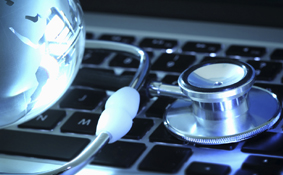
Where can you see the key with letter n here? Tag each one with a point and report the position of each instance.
(47, 120)
(41, 117)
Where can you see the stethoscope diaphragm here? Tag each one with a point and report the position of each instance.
(224, 107)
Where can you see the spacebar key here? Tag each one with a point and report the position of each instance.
(41, 145)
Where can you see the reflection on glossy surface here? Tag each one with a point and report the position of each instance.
(216, 75)
(217, 81)
(232, 126)
(42, 44)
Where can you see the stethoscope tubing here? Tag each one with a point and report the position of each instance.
(87, 155)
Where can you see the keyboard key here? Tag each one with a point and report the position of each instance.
(47, 120)
(165, 159)
(89, 35)
(249, 172)
(83, 99)
(230, 146)
(118, 38)
(201, 47)
(121, 60)
(150, 54)
(266, 143)
(81, 123)
(277, 54)
(139, 129)
(151, 76)
(98, 78)
(161, 134)
(158, 43)
(266, 70)
(262, 164)
(173, 62)
(207, 169)
(101, 79)
(170, 79)
(207, 58)
(41, 145)
(119, 154)
(157, 109)
(94, 56)
(246, 51)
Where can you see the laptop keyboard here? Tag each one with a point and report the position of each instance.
(61, 132)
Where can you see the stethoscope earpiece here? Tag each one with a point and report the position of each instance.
(120, 109)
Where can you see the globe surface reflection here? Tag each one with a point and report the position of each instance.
(41, 49)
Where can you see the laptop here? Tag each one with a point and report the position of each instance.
(190, 30)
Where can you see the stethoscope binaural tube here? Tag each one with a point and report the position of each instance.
(108, 134)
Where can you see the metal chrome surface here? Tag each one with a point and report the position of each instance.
(157, 88)
(217, 81)
(185, 121)
(216, 75)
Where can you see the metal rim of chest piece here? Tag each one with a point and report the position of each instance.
(223, 106)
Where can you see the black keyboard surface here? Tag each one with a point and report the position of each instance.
(63, 131)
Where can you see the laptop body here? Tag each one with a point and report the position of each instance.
(251, 24)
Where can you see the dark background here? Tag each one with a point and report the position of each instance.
(250, 12)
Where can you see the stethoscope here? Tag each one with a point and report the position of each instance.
(216, 104)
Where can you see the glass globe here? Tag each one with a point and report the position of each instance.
(42, 44)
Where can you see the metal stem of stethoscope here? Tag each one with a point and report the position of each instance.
(216, 104)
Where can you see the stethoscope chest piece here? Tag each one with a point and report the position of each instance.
(224, 107)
